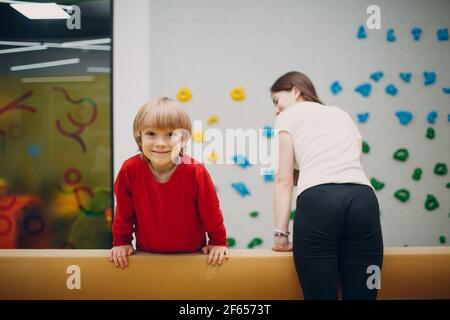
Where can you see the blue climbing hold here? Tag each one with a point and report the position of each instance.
(364, 89)
(442, 34)
(448, 117)
(404, 117)
(390, 36)
(391, 89)
(241, 160)
(377, 75)
(336, 87)
(241, 188)
(431, 117)
(416, 32)
(268, 132)
(34, 150)
(446, 90)
(268, 175)
(429, 77)
(361, 32)
(406, 76)
(362, 117)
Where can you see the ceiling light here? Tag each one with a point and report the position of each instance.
(57, 79)
(92, 47)
(40, 10)
(19, 43)
(22, 49)
(99, 69)
(86, 42)
(45, 64)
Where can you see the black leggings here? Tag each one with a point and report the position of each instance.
(337, 236)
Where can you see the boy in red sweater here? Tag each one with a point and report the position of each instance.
(166, 198)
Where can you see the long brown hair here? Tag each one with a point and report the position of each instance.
(298, 80)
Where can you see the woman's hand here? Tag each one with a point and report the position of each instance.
(281, 243)
(119, 255)
(216, 254)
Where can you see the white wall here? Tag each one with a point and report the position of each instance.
(131, 72)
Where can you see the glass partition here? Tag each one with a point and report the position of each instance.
(55, 126)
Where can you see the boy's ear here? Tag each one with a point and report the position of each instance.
(185, 139)
(139, 142)
(185, 136)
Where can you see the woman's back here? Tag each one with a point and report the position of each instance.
(327, 144)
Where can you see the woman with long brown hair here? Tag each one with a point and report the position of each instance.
(337, 236)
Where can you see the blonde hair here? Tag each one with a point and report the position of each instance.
(161, 114)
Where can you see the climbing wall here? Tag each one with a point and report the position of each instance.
(219, 58)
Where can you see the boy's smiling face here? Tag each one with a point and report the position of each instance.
(161, 147)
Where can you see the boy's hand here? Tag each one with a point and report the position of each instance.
(119, 255)
(216, 254)
(281, 243)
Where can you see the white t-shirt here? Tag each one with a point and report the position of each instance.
(326, 144)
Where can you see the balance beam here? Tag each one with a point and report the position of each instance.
(408, 273)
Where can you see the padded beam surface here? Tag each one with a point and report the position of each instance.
(413, 272)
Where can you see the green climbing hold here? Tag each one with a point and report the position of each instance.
(292, 215)
(447, 185)
(402, 195)
(231, 242)
(440, 169)
(365, 147)
(254, 214)
(377, 185)
(255, 242)
(417, 174)
(442, 239)
(430, 133)
(431, 202)
(401, 154)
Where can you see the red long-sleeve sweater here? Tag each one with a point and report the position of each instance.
(173, 216)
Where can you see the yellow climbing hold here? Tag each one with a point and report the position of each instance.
(198, 136)
(238, 93)
(213, 156)
(213, 119)
(184, 94)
